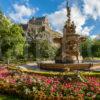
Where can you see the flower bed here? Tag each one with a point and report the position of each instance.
(37, 86)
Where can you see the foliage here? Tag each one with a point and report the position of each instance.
(96, 48)
(86, 48)
(42, 49)
(40, 45)
(90, 48)
(11, 39)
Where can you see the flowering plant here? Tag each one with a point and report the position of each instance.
(21, 83)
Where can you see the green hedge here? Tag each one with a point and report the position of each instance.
(96, 74)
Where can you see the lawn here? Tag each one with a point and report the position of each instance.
(5, 97)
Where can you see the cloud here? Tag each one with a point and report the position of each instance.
(93, 36)
(92, 8)
(62, 5)
(58, 18)
(87, 30)
(78, 18)
(97, 37)
(26, 2)
(21, 13)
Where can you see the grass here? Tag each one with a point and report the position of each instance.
(6, 97)
(94, 58)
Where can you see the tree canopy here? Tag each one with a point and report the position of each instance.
(11, 38)
(90, 48)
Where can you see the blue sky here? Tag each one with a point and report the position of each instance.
(85, 13)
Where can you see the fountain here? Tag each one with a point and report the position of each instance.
(68, 56)
(69, 50)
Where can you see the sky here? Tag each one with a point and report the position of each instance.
(84, 13)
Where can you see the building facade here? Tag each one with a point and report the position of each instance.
(39, 28)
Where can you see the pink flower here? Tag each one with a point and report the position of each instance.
(53, 89)
(48, 81)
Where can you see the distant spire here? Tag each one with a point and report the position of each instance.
(67, 4)
(68, 10)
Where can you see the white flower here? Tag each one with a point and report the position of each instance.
(27, 91)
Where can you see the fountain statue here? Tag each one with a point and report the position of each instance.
(69, 43)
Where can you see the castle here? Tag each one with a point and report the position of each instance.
(39, 28)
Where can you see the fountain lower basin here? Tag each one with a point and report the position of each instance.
(66, 67)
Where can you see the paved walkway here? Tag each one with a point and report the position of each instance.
(95, 68)
(30, 66)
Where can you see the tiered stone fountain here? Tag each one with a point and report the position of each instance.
(68, 56)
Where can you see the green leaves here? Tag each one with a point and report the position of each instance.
(42, 49)
(11, 39)
(90, 48)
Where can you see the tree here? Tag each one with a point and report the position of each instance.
(96, 48)
(42, 49)
(11, 38)
(40, 46)
(86, 46)
(90, 48)
(47, 50)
